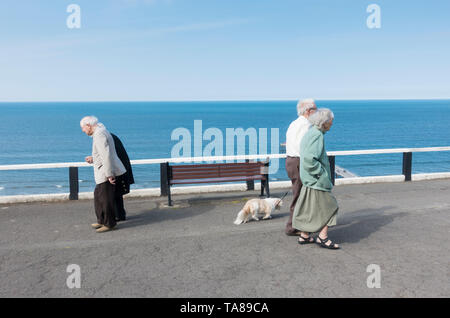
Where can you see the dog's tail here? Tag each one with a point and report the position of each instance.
(240, 218)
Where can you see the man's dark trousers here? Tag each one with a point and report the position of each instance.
(105, 204)
(293, 172)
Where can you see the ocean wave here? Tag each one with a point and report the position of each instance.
(2, 188)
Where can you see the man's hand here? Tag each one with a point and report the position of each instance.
(89, 159)
(112, 180)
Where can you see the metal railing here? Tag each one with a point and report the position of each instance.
(73, 166)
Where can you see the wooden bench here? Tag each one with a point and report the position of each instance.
(214, 173)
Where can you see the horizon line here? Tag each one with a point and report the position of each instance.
(218, 100)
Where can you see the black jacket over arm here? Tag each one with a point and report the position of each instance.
(123, 156)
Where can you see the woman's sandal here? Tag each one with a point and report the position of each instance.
(306, 240)
(323, 244)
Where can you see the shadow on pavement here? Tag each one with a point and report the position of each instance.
(162, 215)
(358, 225)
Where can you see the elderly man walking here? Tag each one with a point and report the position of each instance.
(107, 166)
(297, 129)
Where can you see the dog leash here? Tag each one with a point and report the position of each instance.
(282, 198)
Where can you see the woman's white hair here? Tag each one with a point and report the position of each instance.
(89, 120)
(321, 117)
(304, 105)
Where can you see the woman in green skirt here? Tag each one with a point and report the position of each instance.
(316, 208)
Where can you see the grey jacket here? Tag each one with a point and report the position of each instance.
(106, 162)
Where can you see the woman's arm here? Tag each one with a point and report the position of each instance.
(311, 153)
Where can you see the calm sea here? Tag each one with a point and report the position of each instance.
(50, 132)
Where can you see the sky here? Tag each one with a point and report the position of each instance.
(176, 50)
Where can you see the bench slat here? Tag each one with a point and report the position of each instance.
(219, 168)
(222, 165)
(209, 176)
(215, 174)
(256, 171)
(217, 180)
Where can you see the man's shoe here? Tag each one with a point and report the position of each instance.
(96, 225)
(104, 229)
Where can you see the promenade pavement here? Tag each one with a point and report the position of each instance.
(195, 250)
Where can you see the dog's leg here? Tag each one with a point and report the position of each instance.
(254, 214)
(267, 215)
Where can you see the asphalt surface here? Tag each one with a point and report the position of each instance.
(195, 250)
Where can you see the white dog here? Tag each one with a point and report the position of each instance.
(255, 206)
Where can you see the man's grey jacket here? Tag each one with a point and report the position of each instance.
(106, 162)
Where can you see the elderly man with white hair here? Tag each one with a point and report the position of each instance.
(107, 166)
(297, 129)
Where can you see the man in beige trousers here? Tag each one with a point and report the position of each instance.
(297, 129)
(107, 166)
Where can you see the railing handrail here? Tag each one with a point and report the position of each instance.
(385, 151)
(219, 158)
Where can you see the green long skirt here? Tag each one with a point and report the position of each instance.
(314, 209)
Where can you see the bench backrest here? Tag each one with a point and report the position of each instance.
(220, 170)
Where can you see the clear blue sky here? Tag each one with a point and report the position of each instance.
(223, 49)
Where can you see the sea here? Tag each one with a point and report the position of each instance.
(49, 132)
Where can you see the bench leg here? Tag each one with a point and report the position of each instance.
(262, 188)
(169, 197)
(267, 187)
